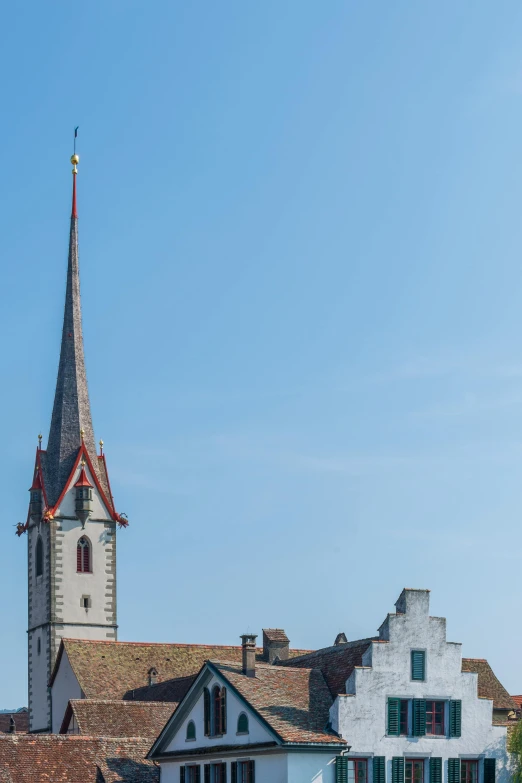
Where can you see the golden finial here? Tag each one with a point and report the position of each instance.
(75, 159)
(82, 433)
(101, 447)
(40, 441)
(83, 463)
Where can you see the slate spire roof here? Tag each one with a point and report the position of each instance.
(71, 410)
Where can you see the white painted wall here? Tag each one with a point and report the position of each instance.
(361, 717)
(65, 687)
(310, 768)
(269, 769)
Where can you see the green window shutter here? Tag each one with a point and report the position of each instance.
(197, 774)
(379, 769)
(418, 665)
(489, 770)
(224, 772)
(341, 769)
(397, 769)
(206, 773)
(455, 718)
(435, 770)
(419, 717)
(206, 711)
(251, 772)
(182, 775)
(394, 714)
(453, 770)
(233, 771)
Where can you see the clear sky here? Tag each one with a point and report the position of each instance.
(301, 243)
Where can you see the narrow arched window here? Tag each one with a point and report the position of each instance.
(83, 556)
(242, 724)
(191, 730)
(219, 710)
(39, 556)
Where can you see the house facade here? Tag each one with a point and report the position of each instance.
(250, 722)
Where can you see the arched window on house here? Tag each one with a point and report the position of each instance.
(39, 556)
(242, 724)
(191, 731)
(219, 710)
(83, 556)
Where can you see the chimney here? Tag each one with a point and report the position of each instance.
(248, 643)
(12, 725)
(276, 644)
(340, 639)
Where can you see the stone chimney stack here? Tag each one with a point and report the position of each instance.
(248, 642)
(12, 725)
(276, 645)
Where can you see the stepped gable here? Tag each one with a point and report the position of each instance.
(336, 663)
(489, 687)
(103, 718)
(295, 703)
(112, 670)
(59, 758)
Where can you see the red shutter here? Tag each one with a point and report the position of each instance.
(78, 558)
(86, 558)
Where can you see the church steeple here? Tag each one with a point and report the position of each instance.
(71, 410)
(71, 522)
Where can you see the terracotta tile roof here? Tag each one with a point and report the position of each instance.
(56, 758)
(112, 670)
(518, 701)
(489, 687)
(21, 720)
(170, 690)
(275, 635)
(98, 718)
(336, 663)
(294, 702)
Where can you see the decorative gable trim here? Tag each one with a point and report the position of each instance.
(85, 454)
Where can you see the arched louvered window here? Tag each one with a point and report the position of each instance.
(39, 556)
(191, 730)
(242, 724)
(83, 556)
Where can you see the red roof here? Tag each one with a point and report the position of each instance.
(37, 481)
(83, 481)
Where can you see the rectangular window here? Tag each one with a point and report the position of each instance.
(418, 665)
(435, 718)
(245, 772)
(190, 774)
(217, 773)
(414, 771)
(357, 771)
(468, 771)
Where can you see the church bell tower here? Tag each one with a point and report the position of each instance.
(71, 523)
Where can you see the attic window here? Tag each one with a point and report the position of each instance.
(242, 724)
(191, 731)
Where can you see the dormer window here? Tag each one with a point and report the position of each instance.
(153, 676)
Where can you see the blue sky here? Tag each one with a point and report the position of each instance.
(301, 252)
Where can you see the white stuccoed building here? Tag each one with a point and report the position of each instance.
(406, 705)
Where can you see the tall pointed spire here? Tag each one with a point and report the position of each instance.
(71, 421)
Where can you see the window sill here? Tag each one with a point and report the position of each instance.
(242, 733)
(191, 740)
